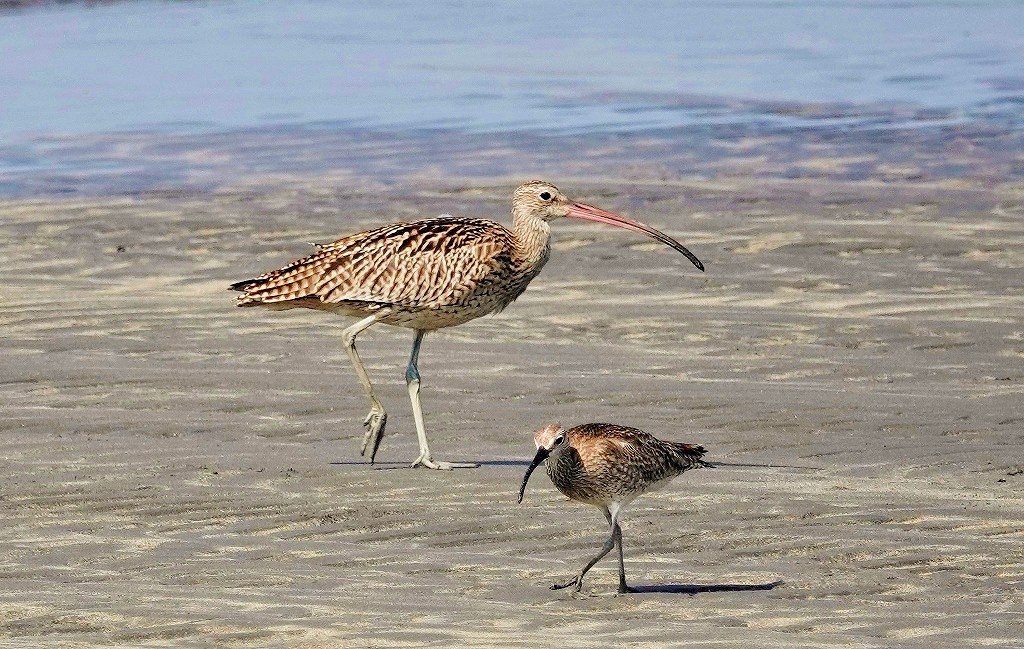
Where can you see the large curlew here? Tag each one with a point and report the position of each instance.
(608, 466)
(426, 275)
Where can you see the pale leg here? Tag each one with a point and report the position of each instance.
(377, 418)
(412, 380)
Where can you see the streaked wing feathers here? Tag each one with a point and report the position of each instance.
(419, 264)
(599, 443)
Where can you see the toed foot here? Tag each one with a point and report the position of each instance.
(374, 422)
(576, 582)
(426, 461)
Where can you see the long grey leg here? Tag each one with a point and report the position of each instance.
(377, 418)
(612, 516)
(412, 381)
(623, 588)
(577, 581)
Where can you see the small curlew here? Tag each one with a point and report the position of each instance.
(608, 466)
(426, 275)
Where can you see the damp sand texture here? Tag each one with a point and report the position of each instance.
(177, 472)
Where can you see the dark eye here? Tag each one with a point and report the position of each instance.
(545, 196)
(558, 440)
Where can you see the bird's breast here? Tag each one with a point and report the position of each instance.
(579, 482)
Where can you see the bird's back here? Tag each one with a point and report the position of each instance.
(608, 462)
(453, 266)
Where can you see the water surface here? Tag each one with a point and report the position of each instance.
(193, 68)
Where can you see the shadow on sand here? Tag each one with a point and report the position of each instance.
(387, 466)
(522, 463)
(694, 589)
(526, 463)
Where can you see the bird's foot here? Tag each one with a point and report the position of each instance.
(374, 422)
(624, 589)
(424, 460)
(576, 582)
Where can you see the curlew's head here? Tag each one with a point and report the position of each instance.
(541, 200)
(551, 440)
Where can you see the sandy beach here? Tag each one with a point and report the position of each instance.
(178, 472)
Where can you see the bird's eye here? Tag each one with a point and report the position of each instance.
(545, 196)
(559, 439)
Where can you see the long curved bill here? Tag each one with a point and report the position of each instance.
(542, 454)
(591, 213)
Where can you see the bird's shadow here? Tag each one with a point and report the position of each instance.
(389, 466)
(696, 589)
(379, 466)
(523, 463)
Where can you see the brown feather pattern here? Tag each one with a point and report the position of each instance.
(428, 274)
(607, 463)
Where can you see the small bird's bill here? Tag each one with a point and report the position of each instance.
(542, 454)
(591, 213)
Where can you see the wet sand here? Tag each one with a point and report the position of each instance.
(178, 472)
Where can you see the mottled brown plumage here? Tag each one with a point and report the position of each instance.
(426, 275)
(608, 466)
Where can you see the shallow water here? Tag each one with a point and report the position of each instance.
(493, 66)
(70, 71)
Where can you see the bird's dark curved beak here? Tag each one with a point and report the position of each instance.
(542, 454)
(591, 213)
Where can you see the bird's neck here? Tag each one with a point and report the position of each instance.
(565, 468)
(532, 242)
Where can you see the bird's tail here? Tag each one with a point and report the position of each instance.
(700, 461)
(284, 288)
(244, 285)
(688, 456)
